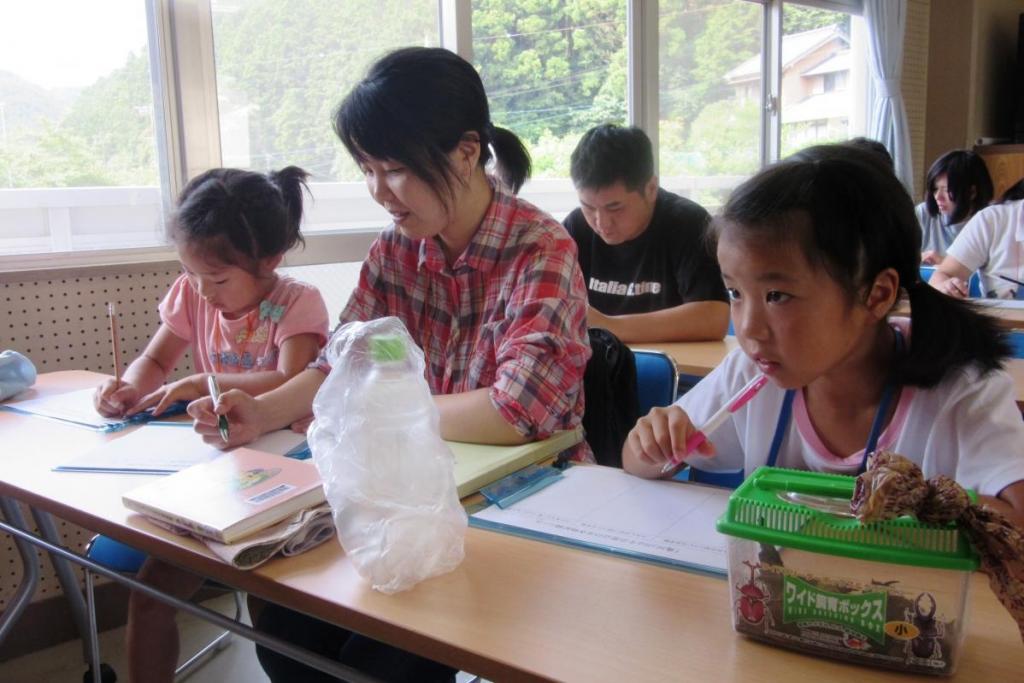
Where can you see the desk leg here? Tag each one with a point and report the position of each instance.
(30, 572)
(319, 662)
(94, 645)
(69, 584)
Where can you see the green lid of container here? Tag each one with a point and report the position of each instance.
(805, 510)
(387, 348)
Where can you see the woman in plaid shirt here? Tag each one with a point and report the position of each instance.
(487, 284)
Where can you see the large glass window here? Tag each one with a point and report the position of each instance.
(90, 151)
(709, 87)
(551, 73)
(78, 157)
(277, 89)
(823, 77)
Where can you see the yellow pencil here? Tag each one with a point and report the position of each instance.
(115, 343)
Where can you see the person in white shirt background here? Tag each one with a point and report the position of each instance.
(992, 243)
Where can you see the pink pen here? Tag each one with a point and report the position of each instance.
(741, 398)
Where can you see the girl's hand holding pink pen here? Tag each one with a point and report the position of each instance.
(242, 411)
(658, 439)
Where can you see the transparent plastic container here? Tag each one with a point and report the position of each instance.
(806, 575)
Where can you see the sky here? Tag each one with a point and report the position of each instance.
(69, 43)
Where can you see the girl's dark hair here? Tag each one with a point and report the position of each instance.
(241, 216)
(964, 170)
(414, 106)
(853, 217)
(1014, 192)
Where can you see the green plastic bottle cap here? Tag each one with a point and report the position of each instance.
(387, 348)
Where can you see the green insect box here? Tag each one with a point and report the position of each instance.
(807, 575)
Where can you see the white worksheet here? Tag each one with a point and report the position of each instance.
(607, 509)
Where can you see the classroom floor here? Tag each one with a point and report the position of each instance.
(63, 663)
(235, 664)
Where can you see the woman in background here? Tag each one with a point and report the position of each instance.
(958, 186)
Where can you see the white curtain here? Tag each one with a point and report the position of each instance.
(886, 22)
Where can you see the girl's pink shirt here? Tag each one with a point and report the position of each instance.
(253, 341)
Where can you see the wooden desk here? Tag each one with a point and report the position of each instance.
(1011, 319)
(515, 609)
(695, 358)
(700, 358)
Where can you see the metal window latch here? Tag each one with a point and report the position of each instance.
(771, 104)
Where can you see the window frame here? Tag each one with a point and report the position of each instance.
(188, 126)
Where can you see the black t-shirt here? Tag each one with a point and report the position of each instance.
(669, 264)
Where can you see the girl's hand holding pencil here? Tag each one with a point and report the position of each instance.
(666, 436)
(114, 397)
(659, 440)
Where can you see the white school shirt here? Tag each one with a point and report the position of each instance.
(967, 427)
(936, 233)
(993, 242)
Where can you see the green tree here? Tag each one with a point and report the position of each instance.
(285, 84)
(113, 120)
(552, 67)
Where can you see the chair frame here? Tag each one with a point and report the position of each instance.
(188, 667)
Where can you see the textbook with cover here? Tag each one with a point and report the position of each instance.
(478, 465)
(232, 496)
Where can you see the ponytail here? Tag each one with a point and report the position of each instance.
(948, 333)
(511, 158)
(291, 180)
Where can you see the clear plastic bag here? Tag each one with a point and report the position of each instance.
(17, 373)
(388, 475)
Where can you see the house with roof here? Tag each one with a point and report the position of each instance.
(816, 101)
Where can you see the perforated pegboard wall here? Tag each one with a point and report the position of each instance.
(59, 320)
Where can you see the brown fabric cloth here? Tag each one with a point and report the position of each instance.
(893, 486)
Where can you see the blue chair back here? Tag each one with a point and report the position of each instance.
(656, 379)
(115, 555)
(1016, 340)
(973, 283)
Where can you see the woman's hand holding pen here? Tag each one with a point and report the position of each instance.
(659, 438)
(242, 411)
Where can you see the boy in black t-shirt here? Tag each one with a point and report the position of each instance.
(650, 275)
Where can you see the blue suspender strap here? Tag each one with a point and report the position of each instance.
(883, 408)
(781, 426)
(876, 425)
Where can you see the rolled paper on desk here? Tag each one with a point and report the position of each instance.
(302, 531)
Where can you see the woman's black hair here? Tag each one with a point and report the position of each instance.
(852, 216)
(965, 171)
(240, 217)
(414, 106)
(1013, 193)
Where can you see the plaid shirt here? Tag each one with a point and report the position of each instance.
(509, 314)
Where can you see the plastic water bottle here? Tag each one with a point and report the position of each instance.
(398, 421)
(17, 373)
(387, 473)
